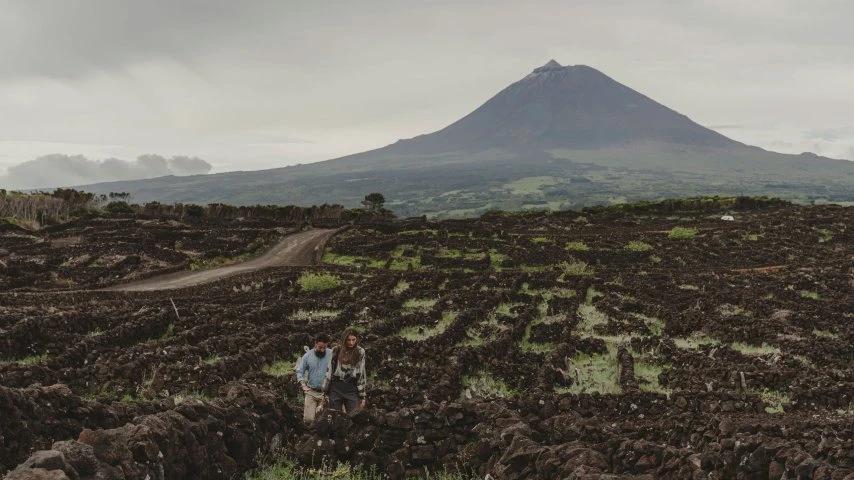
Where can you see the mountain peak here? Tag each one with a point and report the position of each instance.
(551, 65)
(567, 107)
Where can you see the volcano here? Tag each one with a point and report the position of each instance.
(560, 137)
(567, 107)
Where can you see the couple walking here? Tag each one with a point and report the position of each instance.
(340, 375)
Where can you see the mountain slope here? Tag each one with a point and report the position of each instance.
(566, 107)
(560, 137)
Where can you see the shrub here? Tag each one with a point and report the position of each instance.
(575, 269)
(318, 282)
(118, 207)
(193, 210)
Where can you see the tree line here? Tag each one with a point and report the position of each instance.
(34, 209)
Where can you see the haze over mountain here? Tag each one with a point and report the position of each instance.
(561, 137)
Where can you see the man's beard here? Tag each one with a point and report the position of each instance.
(320, 354)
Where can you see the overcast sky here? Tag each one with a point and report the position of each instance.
(268, 83)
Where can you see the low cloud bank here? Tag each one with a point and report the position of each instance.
(58, 170)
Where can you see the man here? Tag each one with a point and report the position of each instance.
(311, 371)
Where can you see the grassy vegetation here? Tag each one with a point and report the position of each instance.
(810, 294)
(485, 385)
(647, 376)
(167, 335)
(211, 360)
(201, 264)
(315, 314)
(28, 360)
(401, 287)
(695, 341)
(746, 349)
(418, 333)
(638, 246)
(495, 259)
(825, 235)
(286, 469)
(824, 333)
(655, 325)
(595, 373)
(183, 397)
(774, 401)
(576, 247)
(419, 303)
(318, 282)
(280, 368)
(352, 261)
(575, 269)
(682, 232)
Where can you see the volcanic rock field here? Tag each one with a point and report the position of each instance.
(638, 341)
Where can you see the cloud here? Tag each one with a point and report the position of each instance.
(831, 134)
(58, 170)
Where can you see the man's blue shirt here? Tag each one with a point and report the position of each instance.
(312, 369)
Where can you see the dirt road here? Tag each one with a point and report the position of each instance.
(297, 249)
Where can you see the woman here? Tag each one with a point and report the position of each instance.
(345, 377)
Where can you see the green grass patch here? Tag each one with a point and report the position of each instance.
(730, 310)
(28, 360)
(747, 349)
(638, 246)
(682, 232)
(495, 259)
(211, 360)
(318, 282)
(505, 309)
(593, 373)
(529, 185)
(419, 303)
(352, 260)
(202, 264)
(647, 376)
(696, 340)
(824, 333)
(575, 269)
(287, 469)
(810, 294)
(541, 240)
(774, 401)
(400, 287)
(426, 231)
(576, 247)
(183, 397)
(591, 317)
(302, 314)
(484, 385)
(167, 335)
(825, 235)
(281, 368)
(418, 333)
(655, 325)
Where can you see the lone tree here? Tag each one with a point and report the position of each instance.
(374, 201)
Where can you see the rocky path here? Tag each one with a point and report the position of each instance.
(302, 248)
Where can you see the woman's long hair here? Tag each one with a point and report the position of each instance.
(350, 356)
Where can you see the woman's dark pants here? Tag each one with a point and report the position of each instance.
(343, 393)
